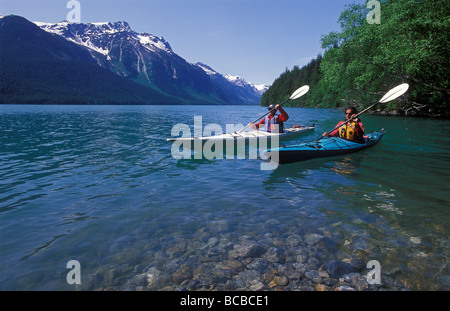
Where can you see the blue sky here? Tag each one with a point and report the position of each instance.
(255, 39)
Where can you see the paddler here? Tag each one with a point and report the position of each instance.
(352, 130)
(272, 120)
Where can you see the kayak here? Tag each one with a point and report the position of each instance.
(248, 136)
(324, 147)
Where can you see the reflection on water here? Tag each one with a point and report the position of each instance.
(347, 166)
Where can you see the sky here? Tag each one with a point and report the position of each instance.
(254, 39)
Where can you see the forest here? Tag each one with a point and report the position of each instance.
(364, 60)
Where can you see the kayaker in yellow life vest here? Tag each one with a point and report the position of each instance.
(352, 130)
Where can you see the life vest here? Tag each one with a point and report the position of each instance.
(347, 131)
(270, 124)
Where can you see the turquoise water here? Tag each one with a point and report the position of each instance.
(98, 184)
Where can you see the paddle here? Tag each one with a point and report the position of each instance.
(391, 95)
(298, 93)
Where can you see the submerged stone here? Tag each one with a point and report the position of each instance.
(337, 269)
(247, 249)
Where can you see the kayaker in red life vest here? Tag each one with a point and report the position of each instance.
(352, 130)
(272, 119)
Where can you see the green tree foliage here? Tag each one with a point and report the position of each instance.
(290, 80)
(362, 61)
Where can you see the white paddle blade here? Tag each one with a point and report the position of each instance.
(300, 92)
(395, 92)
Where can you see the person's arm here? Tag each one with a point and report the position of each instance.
(257, 125)
(359, 129)
(335, 132)
(260, 122)
(361, 126)
(283, 117)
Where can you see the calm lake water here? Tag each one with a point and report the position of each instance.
(98, 184)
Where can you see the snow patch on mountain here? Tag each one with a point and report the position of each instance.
(235, 80)
(151, 42)
(247, 89)
(85, 33)
(262, 88)
(208, 70)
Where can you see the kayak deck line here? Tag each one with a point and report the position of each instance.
(315, 146)
(340, 147)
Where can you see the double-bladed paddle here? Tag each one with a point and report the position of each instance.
(298, 93)
(391, 95)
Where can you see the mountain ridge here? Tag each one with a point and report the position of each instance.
(150, 60)
(37, 67)
(149, 70)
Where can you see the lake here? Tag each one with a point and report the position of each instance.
(99, 185)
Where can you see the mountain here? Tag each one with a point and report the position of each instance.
(246, 92)
(150, 61)
(239, 81)
(37, 67)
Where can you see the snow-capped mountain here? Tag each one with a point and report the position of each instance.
(262, 88)
(245, 90)
(38, 67)
(236, 80)
(93, 35)
(150, 61)
(239, 81)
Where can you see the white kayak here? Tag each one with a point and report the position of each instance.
(247, 136)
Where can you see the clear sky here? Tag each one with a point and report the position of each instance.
(255, 39)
